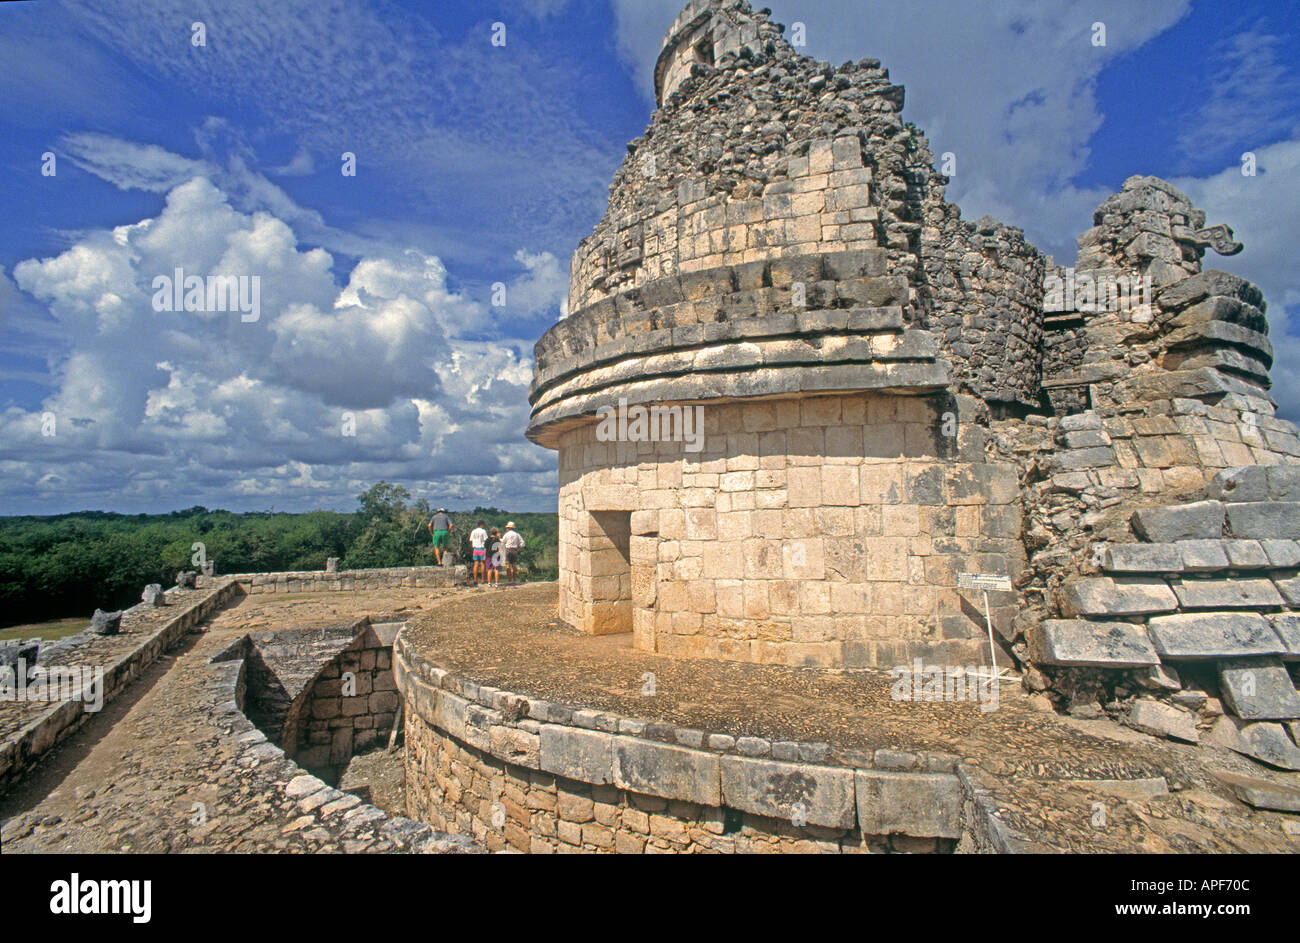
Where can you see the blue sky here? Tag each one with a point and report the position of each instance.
(481, 164)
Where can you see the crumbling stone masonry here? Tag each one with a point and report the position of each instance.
(891, 396)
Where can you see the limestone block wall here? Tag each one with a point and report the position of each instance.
(323, 695)
(272, 773)
(1203, 610)
(340, 716)
(542, 777)
(825, 531)
(1089, 478)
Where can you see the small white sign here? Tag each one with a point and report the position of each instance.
(1000, 584)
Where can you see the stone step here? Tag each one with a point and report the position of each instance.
(1254, 593)
(1200, 556)
(1287, 627)
(1272, 520)
(1142, 558)
(1256, 483)
(1198, 520)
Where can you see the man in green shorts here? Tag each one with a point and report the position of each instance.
(440, 526)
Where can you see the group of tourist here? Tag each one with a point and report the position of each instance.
(491, 550)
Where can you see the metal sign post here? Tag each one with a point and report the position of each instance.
(984, 583)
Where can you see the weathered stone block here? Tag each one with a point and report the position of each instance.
(1290, 590)
(923, 805)
(1274, 520)
(1282, 553)
(586, 755)
(1086, 438)
(449, 713)
(1267, 742)
(658, 769)
(1142, 558)
(1246, 554)
(1261, 793)
(1213, 635)
(1287, 627)
(773, 788)
(1259, 689)
(1103, 596)
(1225, 594)
(1239, 484)
(1163, 720)
(1201, 520)
(1079, 642)
(1203, 556)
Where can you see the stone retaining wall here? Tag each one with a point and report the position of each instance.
(21, 751)
(539, 776)
(330, 813)
(320, 581)
(351, 704)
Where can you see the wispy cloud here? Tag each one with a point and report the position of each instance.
(1250, 102)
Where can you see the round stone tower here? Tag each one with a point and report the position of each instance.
(770, 395)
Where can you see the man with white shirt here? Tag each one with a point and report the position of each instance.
(511, 543)
(478, 550)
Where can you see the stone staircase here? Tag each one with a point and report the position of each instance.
(1209, 582)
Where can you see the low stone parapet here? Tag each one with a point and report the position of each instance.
(322, 581)
(21, 750)
(546, 777)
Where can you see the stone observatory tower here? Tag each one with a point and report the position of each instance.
(762, 260)
(797, 396)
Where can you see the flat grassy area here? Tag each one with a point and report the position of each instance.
(55, 628)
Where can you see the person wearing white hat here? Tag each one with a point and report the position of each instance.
(512, 542)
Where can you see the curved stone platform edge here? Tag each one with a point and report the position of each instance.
(882, 792)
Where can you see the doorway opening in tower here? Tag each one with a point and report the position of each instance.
(611, 572)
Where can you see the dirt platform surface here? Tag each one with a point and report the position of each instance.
(1070, 785)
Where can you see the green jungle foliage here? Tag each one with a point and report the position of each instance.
(71, 564)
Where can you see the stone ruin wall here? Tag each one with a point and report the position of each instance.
(778, 214)
(1156, 576)
(766, 155)
(766, 179)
